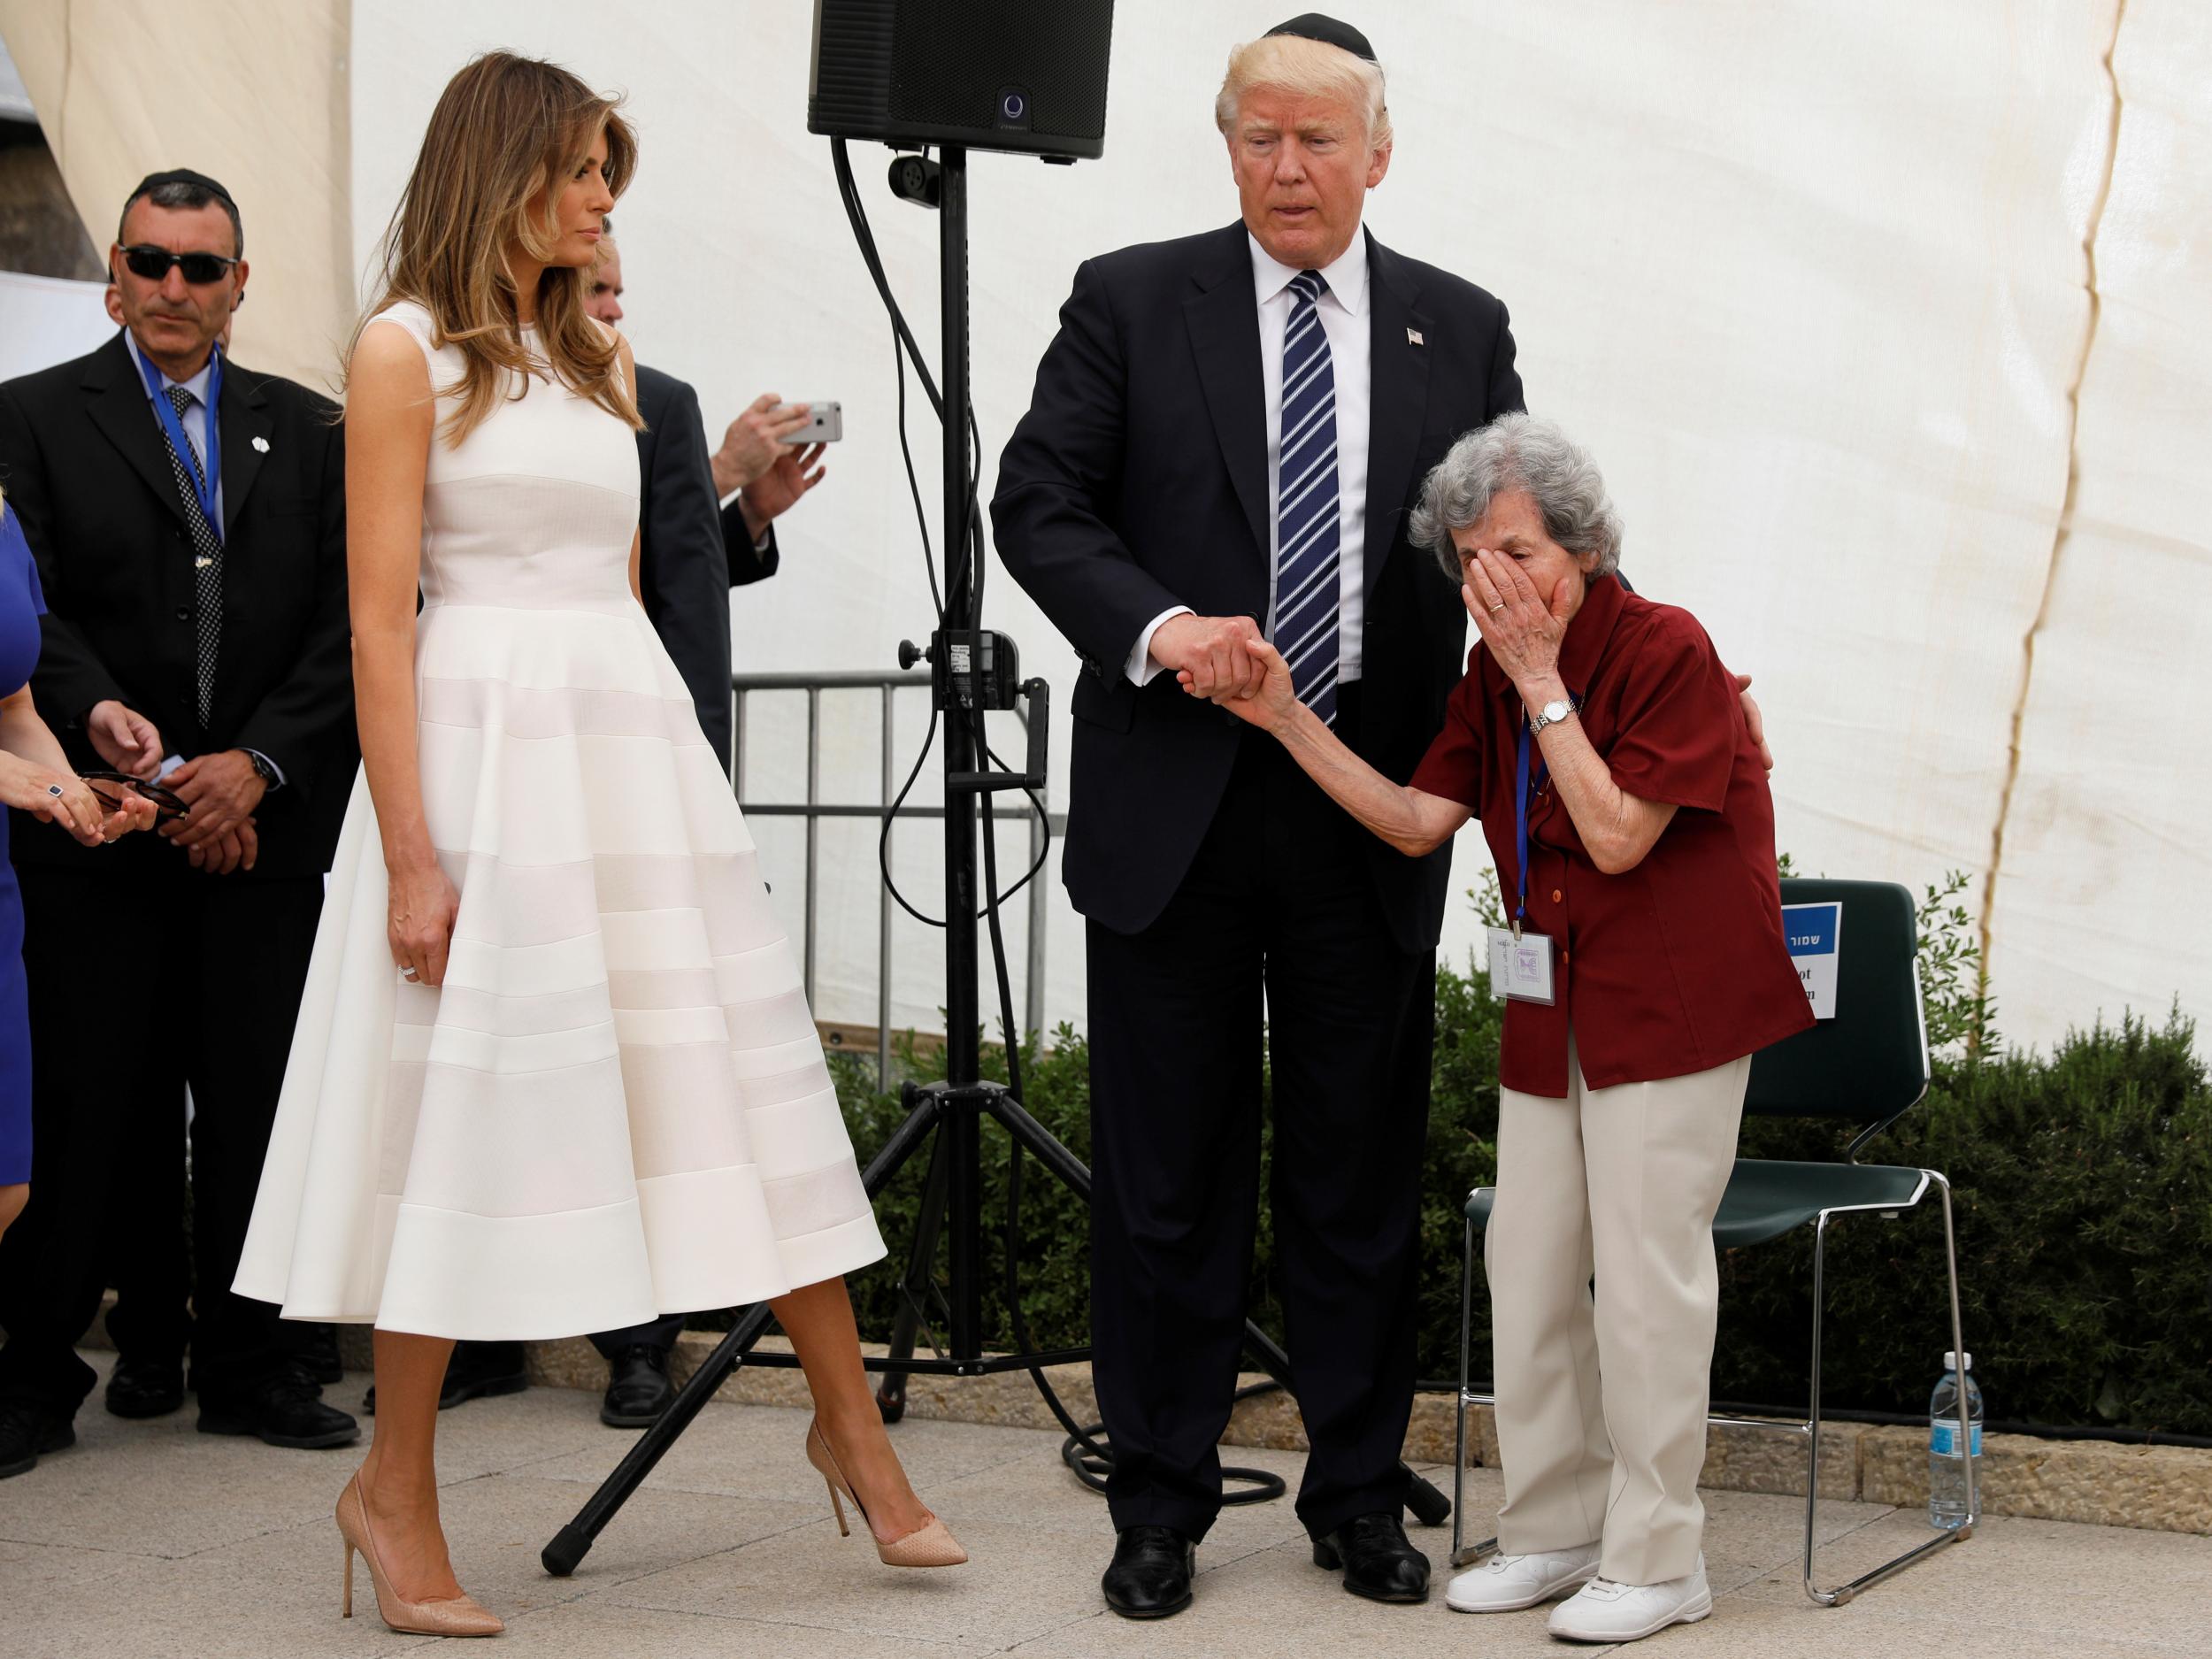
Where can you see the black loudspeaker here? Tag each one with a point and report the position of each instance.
(1022, 75)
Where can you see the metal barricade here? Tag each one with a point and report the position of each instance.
(886, 684)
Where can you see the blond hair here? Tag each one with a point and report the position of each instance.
(507, 135)
(1305, 69)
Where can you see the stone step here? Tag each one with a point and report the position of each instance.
(2099, 1483)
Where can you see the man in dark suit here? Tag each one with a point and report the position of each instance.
(1224, 439)
(189, 518)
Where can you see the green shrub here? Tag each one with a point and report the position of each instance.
(2082, 1180)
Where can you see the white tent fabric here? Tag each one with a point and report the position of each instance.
(1885, 322)
(251, 92)
(44, 320)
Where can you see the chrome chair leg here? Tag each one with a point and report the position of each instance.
(1462, 1555)
(1459, 1400)
(1844, 1592)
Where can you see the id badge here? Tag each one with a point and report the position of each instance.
(1520, 969)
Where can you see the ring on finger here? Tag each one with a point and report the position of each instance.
(1495, 609)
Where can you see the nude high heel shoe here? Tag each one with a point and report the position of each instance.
(930, 1545)
(459, 1616)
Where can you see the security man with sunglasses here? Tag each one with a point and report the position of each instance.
(188, 519)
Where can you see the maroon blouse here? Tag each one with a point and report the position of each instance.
(1677, 965)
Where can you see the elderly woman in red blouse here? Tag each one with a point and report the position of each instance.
(1602, 744)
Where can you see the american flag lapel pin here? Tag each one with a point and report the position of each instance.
(1413, 337)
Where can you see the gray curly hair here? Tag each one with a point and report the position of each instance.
(1518, 452)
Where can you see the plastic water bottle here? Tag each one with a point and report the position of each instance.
(1946, 1459)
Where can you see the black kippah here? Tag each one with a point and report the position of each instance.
(153, 181)
(1314, 26)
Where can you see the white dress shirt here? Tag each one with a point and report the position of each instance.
(1343, 309)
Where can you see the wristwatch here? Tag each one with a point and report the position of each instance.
(263, 768)
(1550, 714)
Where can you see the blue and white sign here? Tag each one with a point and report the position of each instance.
(1815, 935)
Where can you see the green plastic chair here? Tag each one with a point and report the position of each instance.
(1867, 1066)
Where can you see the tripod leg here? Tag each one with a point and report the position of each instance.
(1039, 1142)
(904, 1142)
(921, 1259)
(570, 1544)
(1430, 1506)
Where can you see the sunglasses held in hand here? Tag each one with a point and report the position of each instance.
(169, 806)
(153, 263)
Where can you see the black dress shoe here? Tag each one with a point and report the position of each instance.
(287, 1409)
(1377, 1561)
(638, 1389)
(145, 1388)
(27, 1431)
(476, 1371)
(1151, 1574)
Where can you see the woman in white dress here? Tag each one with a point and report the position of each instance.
(554, 1071)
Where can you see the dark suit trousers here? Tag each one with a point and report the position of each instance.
(141, 986)
(660, 1333)
(1278, 912)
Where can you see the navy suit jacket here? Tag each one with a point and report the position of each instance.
(83, 463)
(691, 551)
(1138, 481)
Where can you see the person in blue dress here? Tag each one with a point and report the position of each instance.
(34, 777)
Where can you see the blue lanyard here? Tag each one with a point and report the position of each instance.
(1520, 820)
(205, 478)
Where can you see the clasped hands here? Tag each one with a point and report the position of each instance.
(55, 796)
(1224, 659)
(223, 789)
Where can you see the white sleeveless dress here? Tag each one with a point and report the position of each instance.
(615, 1106)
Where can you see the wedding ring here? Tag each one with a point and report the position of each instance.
(409, 974)
(1495, 609)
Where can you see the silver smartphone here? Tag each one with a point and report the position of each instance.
(826, 423)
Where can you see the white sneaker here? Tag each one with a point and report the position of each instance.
(1604, 1611)
(1505, 1583)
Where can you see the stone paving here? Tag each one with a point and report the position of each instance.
(148, 1540)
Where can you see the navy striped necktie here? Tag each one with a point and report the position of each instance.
(1306, 523)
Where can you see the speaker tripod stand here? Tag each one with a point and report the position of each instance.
(972, 672)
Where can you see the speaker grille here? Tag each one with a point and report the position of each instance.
(852, 64)
(952, 58)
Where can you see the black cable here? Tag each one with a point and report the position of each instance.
(1044, 823)
(891, 817)
(858, 213)
(913, 485)
(902, 344)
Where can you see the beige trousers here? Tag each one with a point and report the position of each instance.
(1601, 1405)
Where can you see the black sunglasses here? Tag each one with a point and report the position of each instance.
(168, 805)
(153, 263)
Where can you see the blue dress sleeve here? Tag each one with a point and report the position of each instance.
(15, 551)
